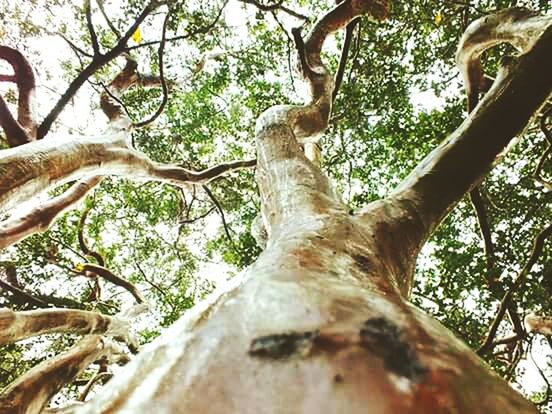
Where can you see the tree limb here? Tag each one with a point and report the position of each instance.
(440, 181)
(24, 129)
(23, 174)
(26, 324)
(23, 296)
(40, 218)
(113, 278)
(31, 392)
(349, 32)
(100, 376)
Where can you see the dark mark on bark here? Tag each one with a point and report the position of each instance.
(338, 378)
(383, 338)
(283, 345)
(364, 263)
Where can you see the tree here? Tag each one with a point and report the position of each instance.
(321, 321)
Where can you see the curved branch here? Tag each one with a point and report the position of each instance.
(517, 26)
(23, 174)
(26, 83)
(24, 129)
(160, 55)
(441, 180)
(40, 218)
(31, 392)
(26, 324)
(283, 129)
(113, 278)
(82, 241)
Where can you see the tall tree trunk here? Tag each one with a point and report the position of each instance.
(315, 326)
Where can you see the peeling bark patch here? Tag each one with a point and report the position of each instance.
(283, 345)
(382, 337)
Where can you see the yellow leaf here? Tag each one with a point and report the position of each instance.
(79, 267)
(438, 18)
(137, 35)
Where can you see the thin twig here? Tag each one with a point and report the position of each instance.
(221, 212)
(349, 31)
(276, 6)
(107, 19)
(518, 283)
(100, 376)
(160, 54)
(202, 30)
(82, 241)
(546, 398)
(90, 27)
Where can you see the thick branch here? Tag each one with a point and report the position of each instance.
(15, 134)
(42, 217)
(37, 166)
(16, 326)
(282, 129)
(517, 26)
(31, 392)
(441, 180)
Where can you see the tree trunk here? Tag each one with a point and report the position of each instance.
(316, 325)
